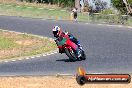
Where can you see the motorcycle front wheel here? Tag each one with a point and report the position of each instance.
(71, 54)
(83, 57)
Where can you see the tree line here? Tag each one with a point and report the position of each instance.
(71, 3)
(62, 3)
(120, 5)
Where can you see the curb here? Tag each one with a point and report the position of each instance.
(33, 56)
(29, 57)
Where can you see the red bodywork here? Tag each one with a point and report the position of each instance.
(68, 44)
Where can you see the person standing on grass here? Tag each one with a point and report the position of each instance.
(74, 14)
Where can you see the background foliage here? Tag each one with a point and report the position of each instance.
(120, 5)
(62, 3)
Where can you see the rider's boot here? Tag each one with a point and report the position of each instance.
(78, 52)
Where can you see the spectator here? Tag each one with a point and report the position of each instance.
(74, 14)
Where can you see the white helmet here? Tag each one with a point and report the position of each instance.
(56, 30)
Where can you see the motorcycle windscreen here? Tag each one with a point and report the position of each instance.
(62, 42)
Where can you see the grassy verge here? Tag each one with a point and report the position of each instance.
(53, 12)
(32, 11)
(129, 22)
(38, 12)
(17, 45)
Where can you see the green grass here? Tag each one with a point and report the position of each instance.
(83, 17)
(10, 48)
(27, 11)
(41, 49)
(6, 43)
(130, 21)
(35, 12)
(56, 14)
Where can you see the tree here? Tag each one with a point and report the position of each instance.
(100, 5)
(128, 6)
(130, 2)
(63, 3)
(77, 4)
(120, 5)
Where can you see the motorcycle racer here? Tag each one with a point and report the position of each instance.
(59, 34)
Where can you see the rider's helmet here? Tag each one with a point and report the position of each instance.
(56, 31)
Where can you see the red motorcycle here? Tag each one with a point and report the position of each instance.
(69, 48)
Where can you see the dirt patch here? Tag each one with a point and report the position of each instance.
(25, 42)
(51, 82)
(9, 53)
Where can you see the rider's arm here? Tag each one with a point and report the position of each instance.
(58, 39)
(74, 39)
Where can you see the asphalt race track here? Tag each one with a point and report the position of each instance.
(108, 48)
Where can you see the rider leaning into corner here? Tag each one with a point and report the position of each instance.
(59, 34)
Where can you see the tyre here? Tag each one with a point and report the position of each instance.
(81, 80)
(70, 54)
(83, 57)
